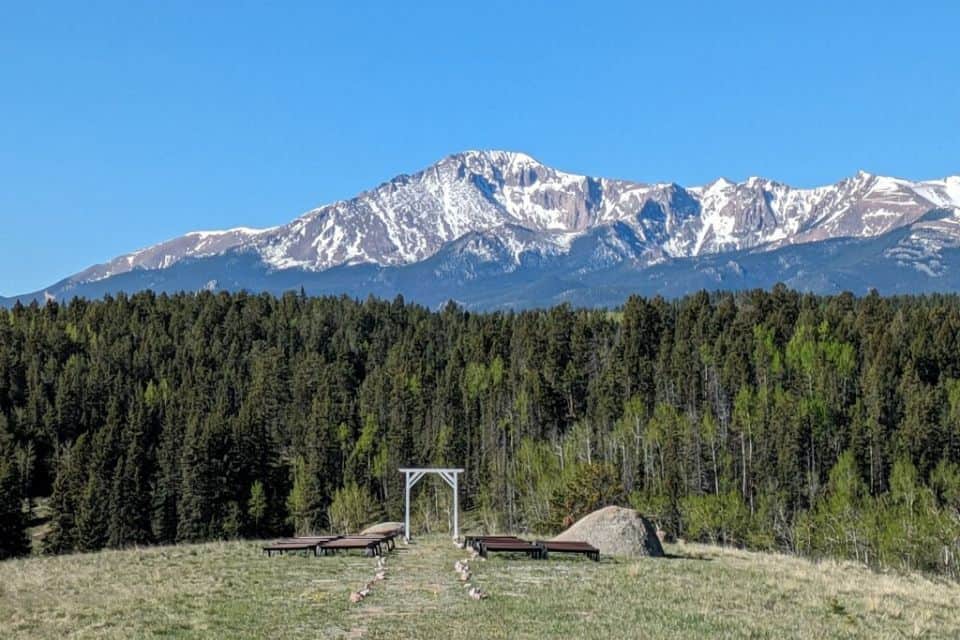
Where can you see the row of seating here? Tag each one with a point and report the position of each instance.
(370, 544)
(374, 544)
(538, 549)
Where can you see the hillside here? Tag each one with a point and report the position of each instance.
(230, 590)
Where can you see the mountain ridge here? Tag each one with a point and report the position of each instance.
(507, 207)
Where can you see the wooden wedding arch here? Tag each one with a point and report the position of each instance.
(412, 476)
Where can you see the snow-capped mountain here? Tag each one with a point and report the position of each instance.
(480, 213)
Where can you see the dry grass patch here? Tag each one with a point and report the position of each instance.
(230, 590)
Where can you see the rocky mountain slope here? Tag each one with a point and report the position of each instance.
(482, 215)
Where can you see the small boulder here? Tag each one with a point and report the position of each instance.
(383, 527)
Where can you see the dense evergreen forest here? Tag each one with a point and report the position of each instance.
(826, 426)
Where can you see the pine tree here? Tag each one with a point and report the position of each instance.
(65, 500)
(196, 507)
(130, 491)
(303, 503)
(257, 505)
(95, 499)
(13, 518)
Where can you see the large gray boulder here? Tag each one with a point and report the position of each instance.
(616, 531)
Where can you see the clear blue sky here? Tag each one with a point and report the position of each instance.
(125, 123)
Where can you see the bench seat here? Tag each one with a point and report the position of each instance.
(511, 546)
(474, 541)
(284, 547)
(583, 548)
(386, 538)
(372, 545)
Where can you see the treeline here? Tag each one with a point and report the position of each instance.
(776, 420)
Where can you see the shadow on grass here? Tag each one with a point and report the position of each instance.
(604, 559)
(687, 556)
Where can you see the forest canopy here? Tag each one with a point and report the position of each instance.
(775, 420)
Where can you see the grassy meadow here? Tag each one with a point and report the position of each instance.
(231, 590)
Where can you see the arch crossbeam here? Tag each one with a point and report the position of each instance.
(413, 475)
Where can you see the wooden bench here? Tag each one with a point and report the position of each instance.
(304, 543)
(511, 546)
(474, 541)
(371, 545)
(385, 538)
(286, 546)
(582, 548)
(307, 539)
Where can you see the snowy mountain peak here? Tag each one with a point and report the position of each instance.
(494, 193)
(501, 157)
(720, 184)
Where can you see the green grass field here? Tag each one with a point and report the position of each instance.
(230, 590)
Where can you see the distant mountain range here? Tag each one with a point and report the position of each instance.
(496, 229)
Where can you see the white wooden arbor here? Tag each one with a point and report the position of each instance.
(412, 476)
